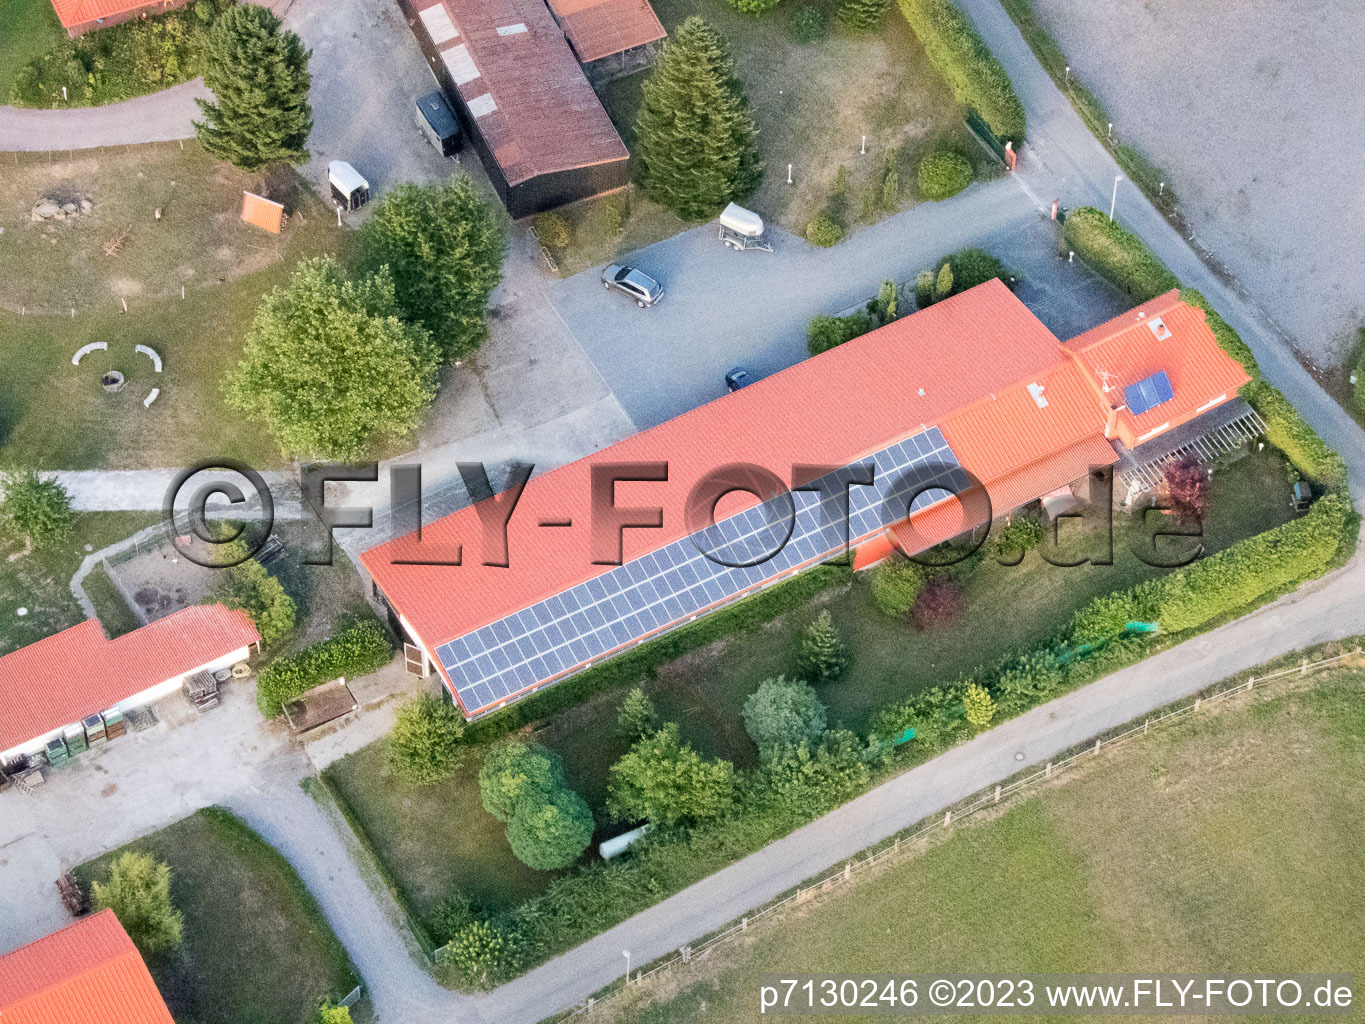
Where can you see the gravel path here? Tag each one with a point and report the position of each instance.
(161, 117)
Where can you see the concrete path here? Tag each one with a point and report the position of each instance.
(160, 117)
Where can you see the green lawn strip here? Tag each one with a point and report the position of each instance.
(256, 947)
(28, 29)
(110, 607)
(1228, 839)
(40, 581)
(1153, 182)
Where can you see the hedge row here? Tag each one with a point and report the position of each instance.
(1117, 254)
(1290, 432)
(973, 74)
(354, 651)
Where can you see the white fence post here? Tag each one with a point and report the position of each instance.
(947, 816)
(848, 870)
(997, 792)
(744, 924)
(1047, 772)
(1303, 669)
(1196, 703)
(1251, 682)
(1145, 726)
(1097, 746)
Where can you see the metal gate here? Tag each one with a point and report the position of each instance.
(982, 131)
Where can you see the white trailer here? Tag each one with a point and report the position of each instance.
(743, 229)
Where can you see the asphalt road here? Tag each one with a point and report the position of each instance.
(160, 117)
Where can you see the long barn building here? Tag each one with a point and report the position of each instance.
(972, 398)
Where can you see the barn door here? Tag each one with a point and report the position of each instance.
(415, 661)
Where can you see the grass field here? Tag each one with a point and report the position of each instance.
(1228, 840)
(256, 948)
(110, 607)
(55, 414)
(28, 29)
(1008, 610)
(39, 581)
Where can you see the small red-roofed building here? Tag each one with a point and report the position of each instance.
(87, 973)
(81, 16)
(57, 682)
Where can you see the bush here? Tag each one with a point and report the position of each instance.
(1117, 254)
(1187, 486)
(808, 24)
(328, 1013)
(979, 707)
(1236, 576)
(482, 955)
(938, 603)
(666, 782)
(823, 656)
(1290, 432)
(974, 76)
(515, 772)
(37, 510)
(550, 834)
(1105, 617)
(1022, 533)
(824, 231)
(972, 267)
(943, 173)
(249, 587)
(554, 230)
(455, 913)
(1027, 679)
(637, 716)
(896, 583)
(783, 713)
(424, 746)
(924, 289)
(943, 283)
(817, 774)
(357, 650)
(891, 191)
(1358, 371)
(139, 894)
(754, 6)
(869, 204)
(862, 14)
(827, 332)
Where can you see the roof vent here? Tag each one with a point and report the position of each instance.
(1158, 328)
(1036, 390)
(512, 30)
(920, 392)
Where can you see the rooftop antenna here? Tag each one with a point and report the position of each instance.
(1105, 377)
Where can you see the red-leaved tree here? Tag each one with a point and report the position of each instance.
(1187, 487)
(938, 603)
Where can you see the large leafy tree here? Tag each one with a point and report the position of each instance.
(139, 894)
(781, 713)
(36, 509)
(259, 78)
(696, 140)
(550, 833)
(330, 368)
(517, 771)
(424, 746)
(667, 782)
(246, 584)
(443, 245)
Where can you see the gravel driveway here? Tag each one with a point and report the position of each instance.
(1254, 112)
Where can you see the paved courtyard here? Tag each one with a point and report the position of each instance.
(723, 308)
(1254, 112)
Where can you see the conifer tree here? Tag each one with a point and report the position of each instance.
(924, 289)
(823, 657)
(697, 143)
(259, 79)
(862, 13)
(943, 285)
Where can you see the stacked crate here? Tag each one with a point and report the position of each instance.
(56, 752)
(95, 735)
(75, 739)
(114, 725)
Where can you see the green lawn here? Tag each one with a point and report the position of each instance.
(437, 838)
(1227, 840)
(257, 949)
(110, 607)
(39, 581)
(28, 29)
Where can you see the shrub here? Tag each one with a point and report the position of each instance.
(972, 267)
(1187, 486)
(840, 186)
(1027, 678)
(809, 26)
(665, 781)
(943, 173)
(938, 603)
(943, 283)
(249, 587)
(35, 509)
(754, 6)
(357, 650)
(827, 332)
(637, 716)
(824, 231)
(862, 14)
(424, 746)
(979, 706)
(974, 76)
(1022, 533)
(896, 583)
(513, 772)
(782, 713)
(891, 191)
(1105, 617)
(550, 834)
(823, 655)
(818, 773)
(327, 1013)
(482, 954)
(1358, 371)
(924, 289)
(139, 894)
(455, 913)
(1117, 254)
(1236, 576)
(886, 303)
(1290, 432)
(869, 203)
(554, 230)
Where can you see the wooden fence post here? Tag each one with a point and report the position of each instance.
(1145, 726)
(1303, 669)
(997, 792)
(1047, 772)
(848, 870)
(1097, 746)
(947, 816)
(1251, 682)
(1196, 704)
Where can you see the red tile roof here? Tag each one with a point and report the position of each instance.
(88, 973)
(73, 13)
(599, 28)
(529, 97)
(1127, 349)
(78, 672)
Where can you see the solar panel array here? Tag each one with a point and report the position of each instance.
(1148, 392)
(678, 580)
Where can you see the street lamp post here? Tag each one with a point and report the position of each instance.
(626, 953)
(1115, 197)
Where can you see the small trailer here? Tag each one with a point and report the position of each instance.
(438, 125)
(742, 229)
(350, 191)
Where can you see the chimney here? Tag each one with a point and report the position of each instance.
(1111, 424)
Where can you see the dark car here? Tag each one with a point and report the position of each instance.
(641, 287)
(738, 378)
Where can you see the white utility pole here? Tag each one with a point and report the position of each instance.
(1115, 197)
(626, 953)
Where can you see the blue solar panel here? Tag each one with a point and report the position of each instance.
(673, 582)
(1148, 393)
